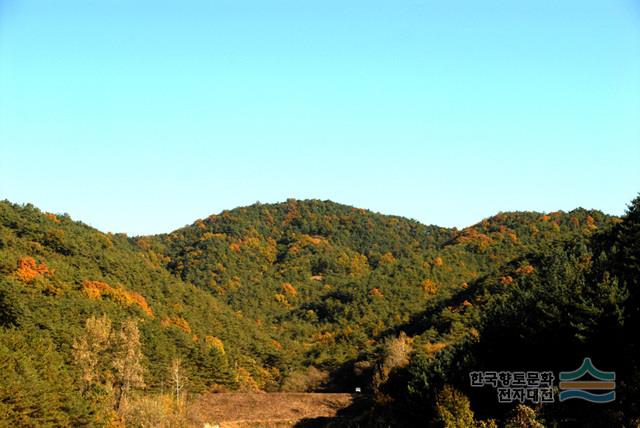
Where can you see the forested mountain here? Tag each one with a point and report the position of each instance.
(310, 295)
(56, 273)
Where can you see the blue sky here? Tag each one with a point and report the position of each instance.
(141, 116)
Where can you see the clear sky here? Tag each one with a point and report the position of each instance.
(141, 116)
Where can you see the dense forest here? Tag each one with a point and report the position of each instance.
(108, 330)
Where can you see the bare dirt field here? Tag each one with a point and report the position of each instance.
(244, 410)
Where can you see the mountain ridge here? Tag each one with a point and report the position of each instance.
(294, 296)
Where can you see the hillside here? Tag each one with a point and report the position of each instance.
(55, 273)
(298, 296)
(545, 310)
(335, 280)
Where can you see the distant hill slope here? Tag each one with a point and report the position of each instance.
(335, 279)
(545, 310)
(302, 295)
(55, 273)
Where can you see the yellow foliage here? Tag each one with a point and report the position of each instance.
(434, 348)
(314, 240)
(281, 298)
(324, 337)
(428, 286)
(271, 250)
(206, 236)
(387, 258)
(378, 328)
(357, 265)
(375, 292)
(214, 342)
(438, 261)
(292, 211)
(246, 382)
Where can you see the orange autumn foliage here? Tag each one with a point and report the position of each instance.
(182, 324)
(53, 217)
(506, 280)
(438, 261)
(473, 237)
(177, 321)
(525, 270)
(139, 300)
(289, 289)
(28, 270)
(95, 290)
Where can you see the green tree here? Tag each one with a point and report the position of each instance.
(523, 417)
